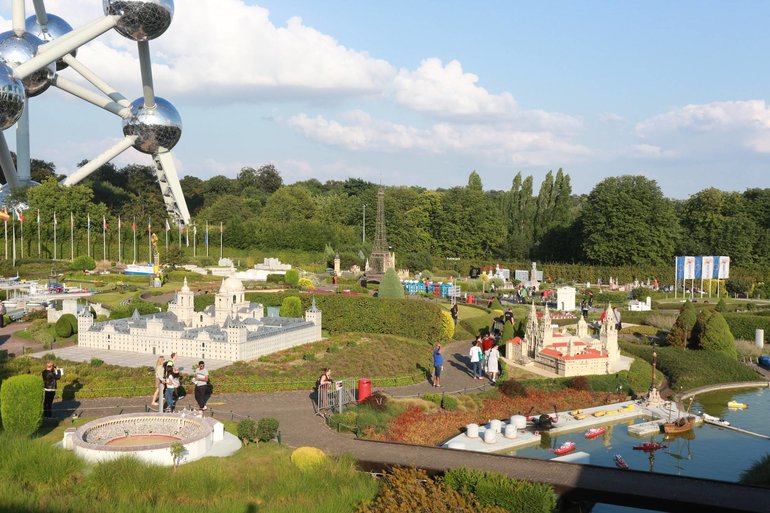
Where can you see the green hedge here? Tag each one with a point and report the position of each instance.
(412, 318)
(21, 404)
(494, 489)
(688, 368)
(742, 325)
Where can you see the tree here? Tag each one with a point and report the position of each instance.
(291, 307)
(713, 334)
(681, 331)
(269, 179)
(390, 286)
(20, 405)
(508, 332)
(292, 277)
(288, 204)
(474, 182)
(627, 221)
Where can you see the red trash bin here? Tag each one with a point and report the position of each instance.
(364, 388)
(471, 299)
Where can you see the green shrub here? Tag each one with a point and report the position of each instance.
(376, 401)
(274, 278)
(291, 307)
(391, 287)
(758, 474)
(96, 362)
(308, 458)
(444, 401)
(309, 357)
(447, 325)
(21, 404)
(292, 277)
(494, 489)
(711, 333)
(743, 326)
(247, 430)
(681, 332)
(63, 328)
(83, 263)
(721, 306)
(267, 429)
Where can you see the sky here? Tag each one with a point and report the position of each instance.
(422, 93)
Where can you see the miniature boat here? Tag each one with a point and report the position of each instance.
(564, 448)
(594, 432)
(628, 407)
(649, 446)
(580, 416)
(715, 420)
(575, 413)
(611, 412)
(620, 462)
(735, 405)
(680, 425)
(601, 413)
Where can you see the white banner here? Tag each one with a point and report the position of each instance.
(707, 267)
(689, 268)
(724, 267)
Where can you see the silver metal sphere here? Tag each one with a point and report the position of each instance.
(16, 50)
(56, 27)
(157, 129)
(11, 97)
(7, 202)
(141, 20)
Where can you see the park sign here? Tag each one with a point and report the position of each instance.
(701, 268)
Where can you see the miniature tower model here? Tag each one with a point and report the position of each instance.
(608, 335)
(653, 398)
(184, 306)
(313, 314)
(381, 258)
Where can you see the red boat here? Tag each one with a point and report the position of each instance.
(594, 432)
(649, 446)
(620, 462)
(564, 448)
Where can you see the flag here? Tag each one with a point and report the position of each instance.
(221, 228)
(118, 224)
(149, 225)
(55, 222)
(206, 237)
(4, 215)
(104, 223)
(19, 215)
(38, 216)
(88, 221)
(195, 230)
(133, 227)
(168, 226)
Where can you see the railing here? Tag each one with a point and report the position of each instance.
(334, 396)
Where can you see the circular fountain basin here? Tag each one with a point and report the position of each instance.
(146, 436)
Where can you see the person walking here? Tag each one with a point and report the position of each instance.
(590, 299)
(2, 314)
(51, 376)
(201, 382)
(438, 365)
(455, 312)
(172, 382)
(493, 363)
(476, 358)
(584, 309)
(159, 380)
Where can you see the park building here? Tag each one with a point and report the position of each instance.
(231, 329)
(565, 354)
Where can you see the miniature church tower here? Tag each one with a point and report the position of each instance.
(582, 328)
(85, 319)
(531, 335)
(653, 398)
(184, 305)
(608, 335)
(313, 314)
(546, 332)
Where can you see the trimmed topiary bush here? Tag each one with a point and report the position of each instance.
(247, 430)
(508, 333)
(63, 327)
(390, 286)
(83, 263)
(494, 489)
(267, 429)
(447, 325)
(308, 458)
(711, 333)
(21, 404)
(681, 333)
(292, 277)
(291, 307)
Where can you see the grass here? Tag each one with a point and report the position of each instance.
(37, 477)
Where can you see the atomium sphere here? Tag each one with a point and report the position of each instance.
(11, 97)
(141, 20)
(7, 200)
(56, 27)
(157, 129)
(15, 50)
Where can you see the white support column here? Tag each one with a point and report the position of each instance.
(97, 82)
(18, 17)
(166, 161)
(42, 16)
(63, 45)
(145, 64)
(100, 160)
(9, 170)
(91, 97)
(22, 146)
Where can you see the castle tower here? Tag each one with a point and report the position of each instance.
(531, 334)
(582, 328)
(230, 299)
(546, 332)
(184, 305)
(85, 319)
(608, 335)
(313, 314)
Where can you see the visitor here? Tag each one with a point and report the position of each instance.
(438, 365)
(584, 309)
(590, 299)
(493, 363)
(51, 375)
(455, 312)
(2, 314)
(172, 382)
(487, 343)
(201, 382)
(159, 377)
(476, 359)
(618, 324)
(508, 316)
(169, 365)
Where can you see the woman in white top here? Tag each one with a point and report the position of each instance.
(476, 357)
(159, 371)
(493, 363)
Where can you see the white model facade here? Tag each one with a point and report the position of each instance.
(231, 329)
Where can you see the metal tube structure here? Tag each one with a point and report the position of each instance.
(9, 170)
(23, 171)
(100, 160)
(97, 82)
(91, 97)
(172, 178)
(63, 45)
(145, 65)
(42, 16)
(18, 17)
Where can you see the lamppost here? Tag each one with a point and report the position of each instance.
(363, 226)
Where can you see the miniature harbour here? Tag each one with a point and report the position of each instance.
(502, 437)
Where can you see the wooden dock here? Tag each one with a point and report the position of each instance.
(739, 430)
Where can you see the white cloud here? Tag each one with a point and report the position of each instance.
(717, 116)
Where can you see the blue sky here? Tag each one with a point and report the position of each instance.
(422, 93)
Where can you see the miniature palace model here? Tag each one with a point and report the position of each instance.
(565, 354)
(231, 329)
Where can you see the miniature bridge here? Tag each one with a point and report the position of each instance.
(576, 482)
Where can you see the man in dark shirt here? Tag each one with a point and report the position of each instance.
(455, 311)
(50, 377)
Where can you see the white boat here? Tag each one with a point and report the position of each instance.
(139, 270)
(715, 420)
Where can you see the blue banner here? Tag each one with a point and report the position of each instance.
(679, 267)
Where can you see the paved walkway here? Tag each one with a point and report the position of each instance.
(16, 345)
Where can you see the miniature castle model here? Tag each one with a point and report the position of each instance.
(565, 354)
(231, 329)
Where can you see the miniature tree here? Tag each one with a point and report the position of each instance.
(681, 332)
(447, 325)
(291, 307)
(21, 406)
(713, 334)
(292, 277)
(390, 286)
(721, 305)
(508, 332)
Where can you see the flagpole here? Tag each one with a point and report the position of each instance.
(72, 236)
(221, 231)
(21, 226)
(180, 235)
(133, 227)
(104, 238)
(207, 238)
(149, 239)
(39, 248)
(5, 222)
(195, 239)
(54, 235)
(168, 227)
(13, 244)
(119, 253)
(88, 236)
